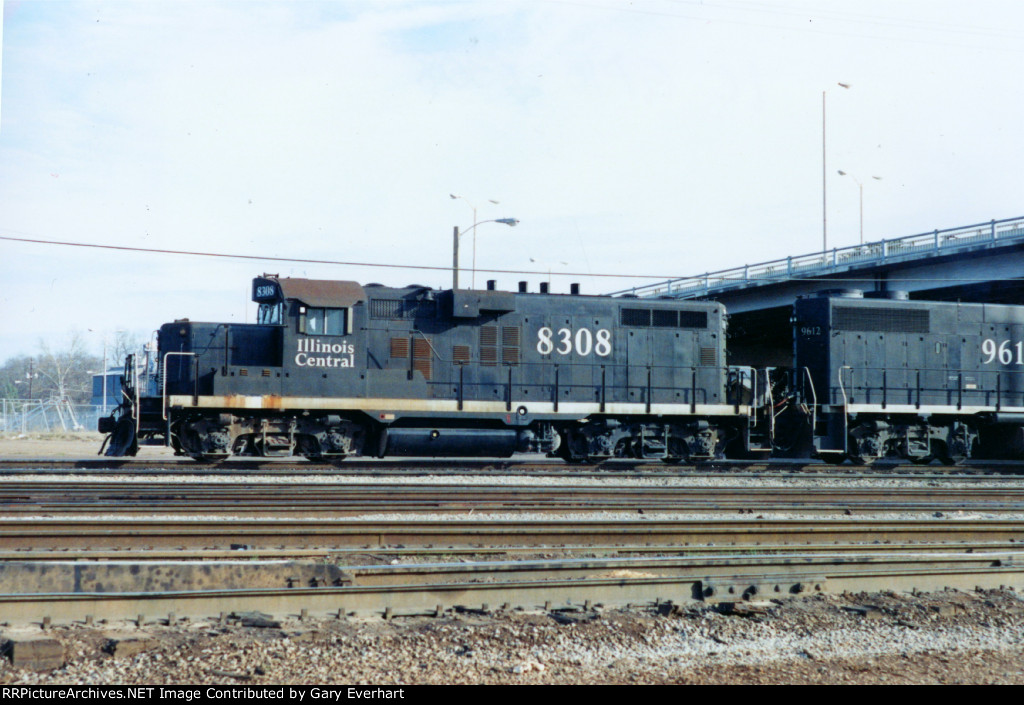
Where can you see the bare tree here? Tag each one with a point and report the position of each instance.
(64, 373)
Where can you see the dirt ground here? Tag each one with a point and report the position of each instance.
(81, 445)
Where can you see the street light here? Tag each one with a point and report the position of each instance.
(489, 200)
(824, 209)
(860, 187)
(104, 334)
(511, 222)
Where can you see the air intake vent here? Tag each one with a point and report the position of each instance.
(400, 308)
(399, 347)
(423, 366)
(510, 345)
(708, 357)
(421, 349)
(489, 345)
(883, 320)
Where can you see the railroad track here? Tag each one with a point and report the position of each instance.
(535, 466)
(550, 585)
(292, 550)
(329, 500)
(224, 533)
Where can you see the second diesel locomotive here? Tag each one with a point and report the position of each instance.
(333, 369)
(915, 380)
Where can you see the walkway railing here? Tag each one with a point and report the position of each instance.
(842, 259)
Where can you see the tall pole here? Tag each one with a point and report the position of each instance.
(824, 209)
(455, 259)
(104, 375)
(473, 283)
(860, 187)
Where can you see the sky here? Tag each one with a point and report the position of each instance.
(645, 139)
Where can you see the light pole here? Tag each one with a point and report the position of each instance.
(511, 222)
(489, 200)
(824, 208)
(860, 187)
(104, 371)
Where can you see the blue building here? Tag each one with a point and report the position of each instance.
(113, 383)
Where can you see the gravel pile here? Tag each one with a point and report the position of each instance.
(948, 637)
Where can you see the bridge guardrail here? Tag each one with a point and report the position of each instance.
(949, 241)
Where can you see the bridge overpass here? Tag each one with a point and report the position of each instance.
(980, 263)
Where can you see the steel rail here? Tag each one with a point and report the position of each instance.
(309, 500)
(224, 533)
(542, 585)
(538, 465)
(420, 553)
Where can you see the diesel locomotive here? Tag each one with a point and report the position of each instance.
(889, 377)
(333, 369)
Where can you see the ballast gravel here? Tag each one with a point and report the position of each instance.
(949, 637)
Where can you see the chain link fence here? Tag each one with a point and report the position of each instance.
(48, 415)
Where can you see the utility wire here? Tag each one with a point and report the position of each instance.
(657, 277)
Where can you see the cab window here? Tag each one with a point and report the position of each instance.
(270, 313)
(325, 321)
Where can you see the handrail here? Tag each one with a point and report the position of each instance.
(814, 400)
(948, 241)
(846, 413)
(163, 386)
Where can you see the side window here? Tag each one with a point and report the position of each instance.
(325, 321)
(315, 321)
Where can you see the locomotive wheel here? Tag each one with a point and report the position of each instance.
(676, 452)
(573, 448)
(860, 460)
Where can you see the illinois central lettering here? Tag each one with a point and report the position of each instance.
(317, 353)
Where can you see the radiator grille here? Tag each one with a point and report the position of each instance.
(693, 319)
(883, 320)
(636, 317)
(663, 318)
(709, 357)
(460, 354)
